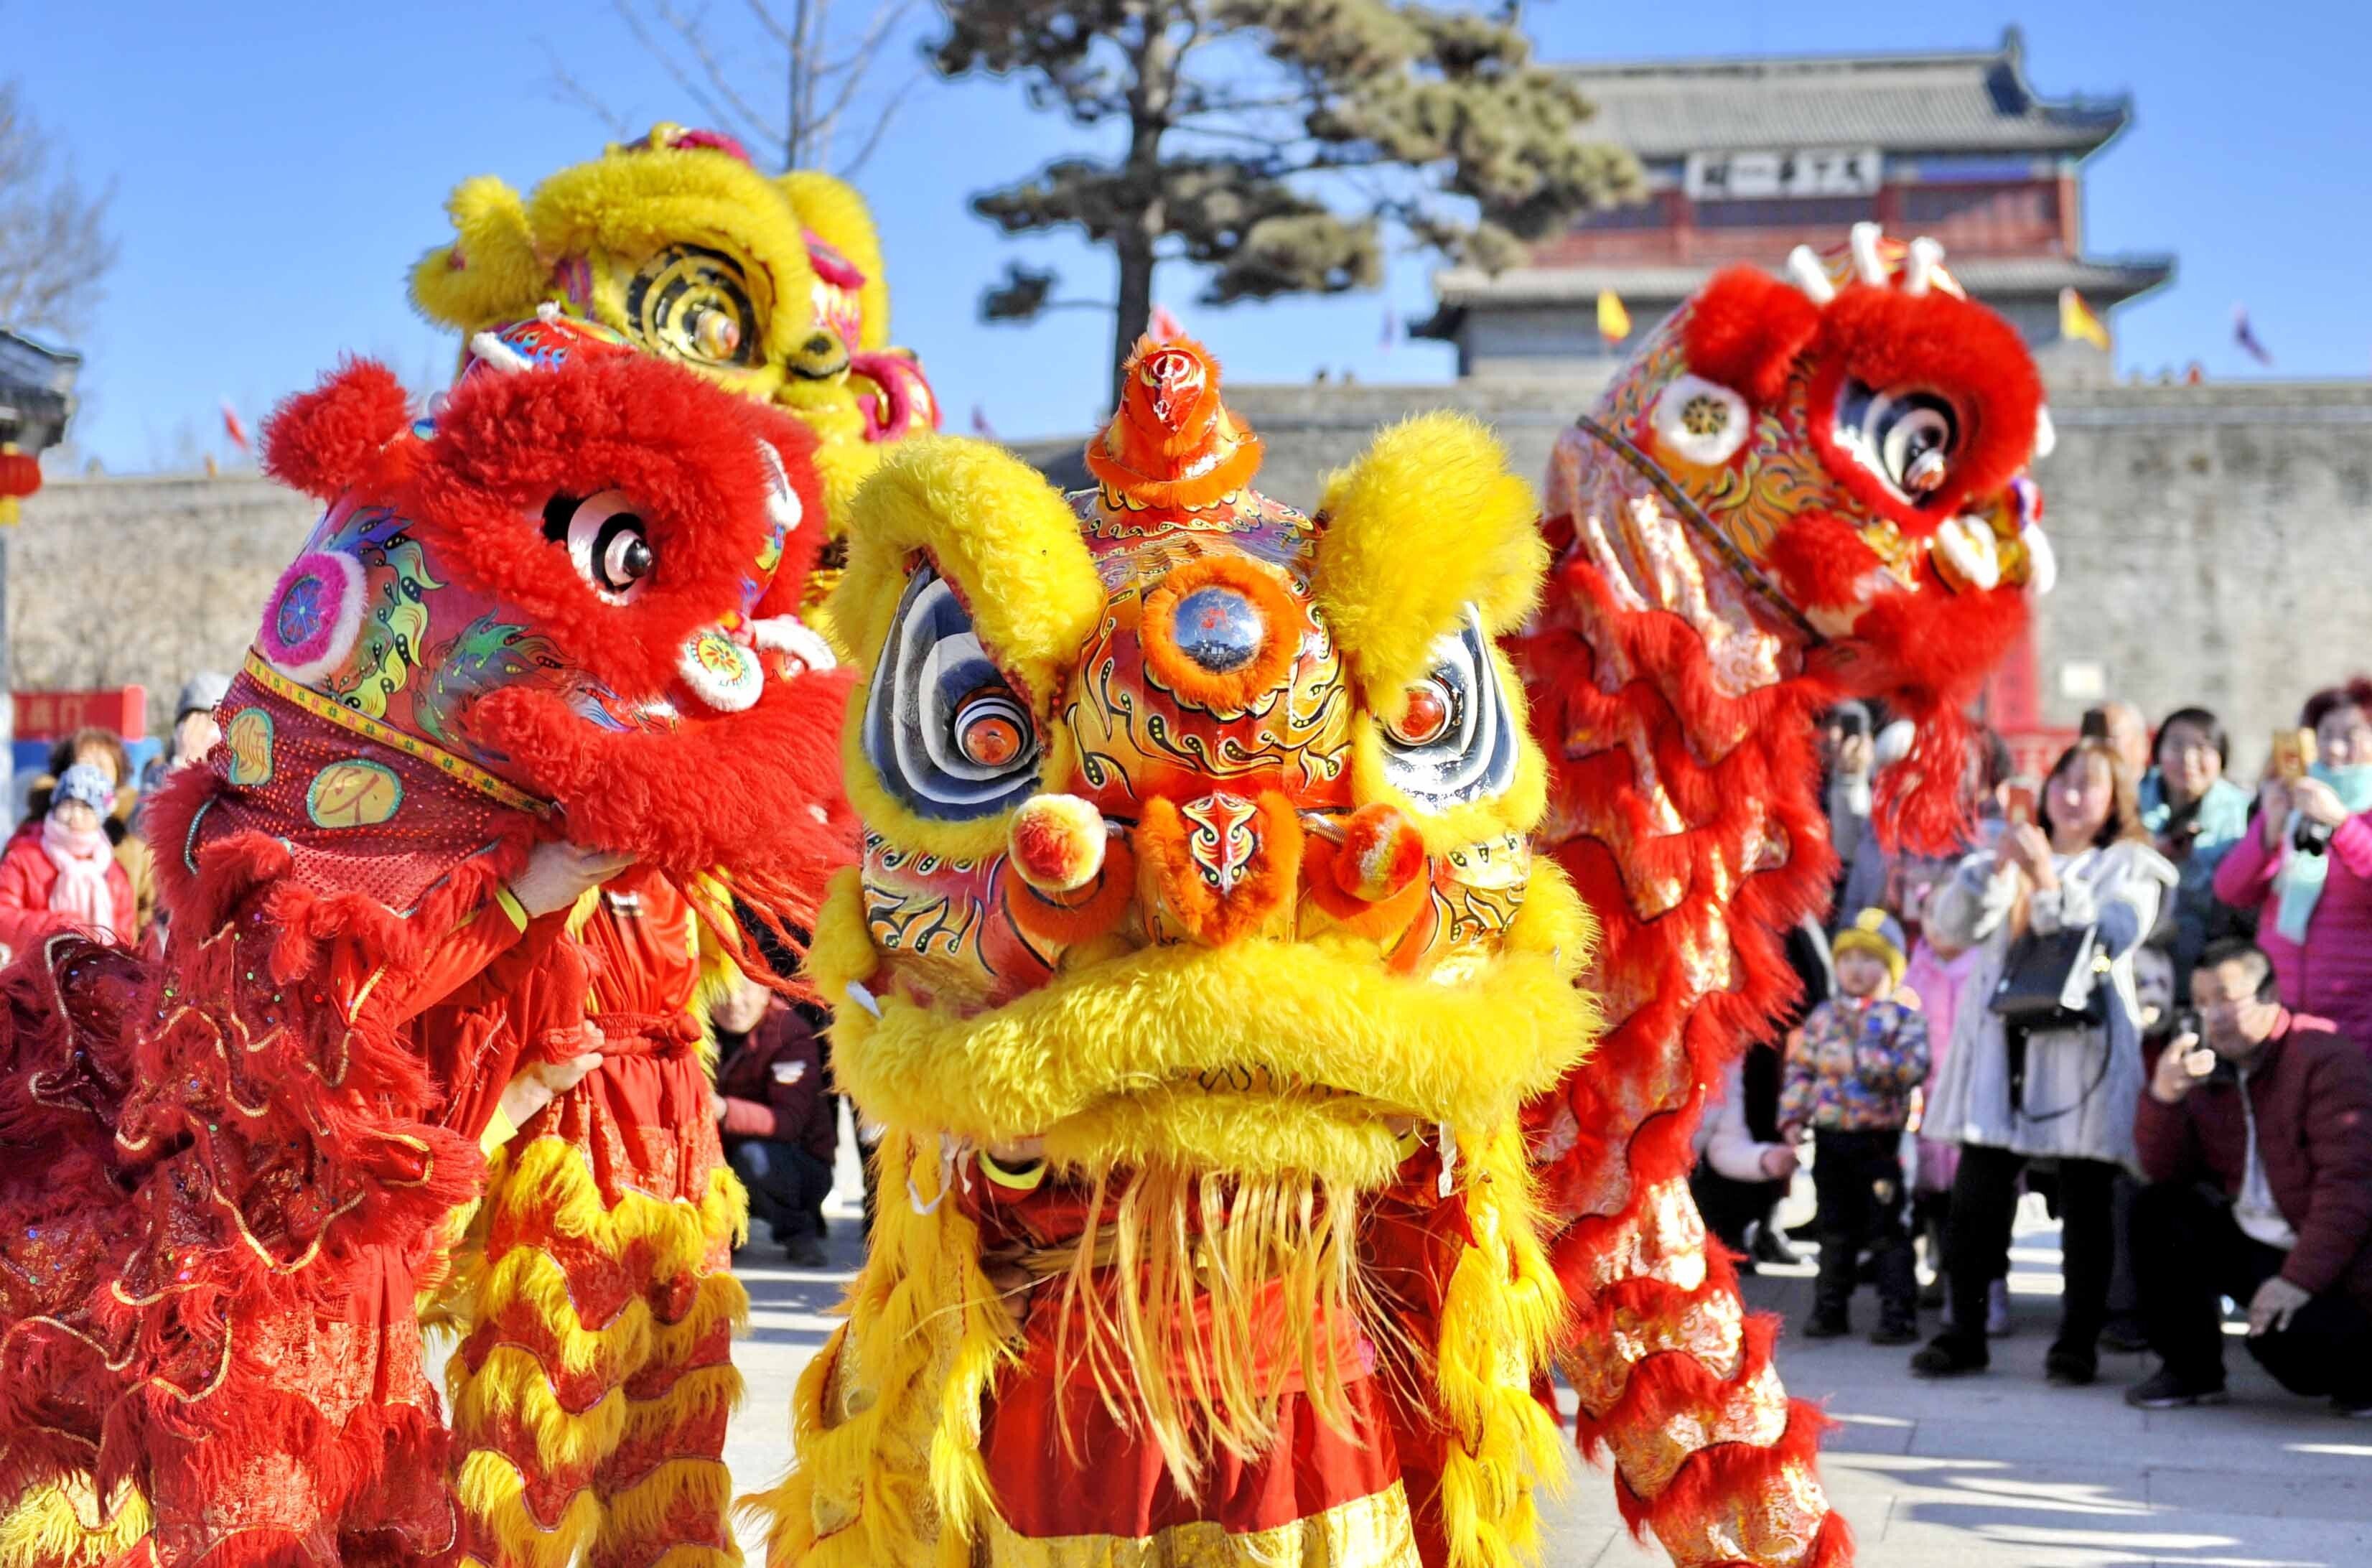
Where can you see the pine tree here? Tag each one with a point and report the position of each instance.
(1280, 144)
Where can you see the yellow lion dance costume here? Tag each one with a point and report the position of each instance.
(1198, 964)
(771, 286)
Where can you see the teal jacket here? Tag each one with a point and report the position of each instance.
(2213, 826)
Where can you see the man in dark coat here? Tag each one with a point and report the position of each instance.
(2257, 1149)
(779, 1119)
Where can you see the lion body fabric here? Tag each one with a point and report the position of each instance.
(1798, 491)
(1198, 966)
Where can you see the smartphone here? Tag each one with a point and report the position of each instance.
(2293, 753)
(2095, 726)
(2019, 797)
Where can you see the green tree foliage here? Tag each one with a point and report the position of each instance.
(1280, 144)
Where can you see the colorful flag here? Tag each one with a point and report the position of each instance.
(980, 425)
(1613, 321)
(1391, 325)
(234, 429)
(2247, 339)
(2078, 323)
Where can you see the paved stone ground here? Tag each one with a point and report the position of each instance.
(1997, 1471)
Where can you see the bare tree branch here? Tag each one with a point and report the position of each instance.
(55, 251)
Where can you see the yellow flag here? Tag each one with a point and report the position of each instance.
(2076, 320)
(1614, 321)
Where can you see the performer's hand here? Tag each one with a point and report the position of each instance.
(2273, 811)
(1779, 1163)
(1011, 1282)
(716, 1105)
(539, 1085)
(2275, 1303)
(557, 874)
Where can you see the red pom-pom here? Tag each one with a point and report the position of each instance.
(1745, 332)
(324, 440)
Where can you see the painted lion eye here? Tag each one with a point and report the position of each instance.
(1432, 709)
(1907, 438)
(991, 729)
(944, 730)
(1457, 742)
(694, 303)
(607, 543)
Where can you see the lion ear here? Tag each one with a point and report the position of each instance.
(491, 272)
(1003, 537)
(324, 440)
(831, 210)
(1430, 521)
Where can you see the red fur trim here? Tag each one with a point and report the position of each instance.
(1710, 1479)
(324, 440)
(1934, 343)
(655, 795)
(1744, 331)
(1820, 561)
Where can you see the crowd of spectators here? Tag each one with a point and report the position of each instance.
(2143, 991)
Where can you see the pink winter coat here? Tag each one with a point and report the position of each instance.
(2330, 975)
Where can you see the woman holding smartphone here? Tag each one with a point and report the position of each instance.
(2007, 1096)
(2305, 870)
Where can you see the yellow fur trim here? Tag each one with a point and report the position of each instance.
(490, 1490)
(1429, 520)
(833, 211)
(60, 1526)
(1004, 538)
(500, 276)
(548, 1181)
(1321, 1012)
(844, 462)
(634, 1338)
(885, 1420)
(1499, 1320)
(512, 1382)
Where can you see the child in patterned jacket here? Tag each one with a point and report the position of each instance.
(1852, 1068)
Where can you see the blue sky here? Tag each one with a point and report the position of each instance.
(278, 167)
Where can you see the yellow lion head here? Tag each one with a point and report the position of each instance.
(773, 286)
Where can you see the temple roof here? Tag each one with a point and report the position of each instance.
(1923, 103)
(2102, 281)
(36, 390)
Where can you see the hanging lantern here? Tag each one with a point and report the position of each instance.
(20, 475)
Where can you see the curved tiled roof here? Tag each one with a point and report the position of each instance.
(1959, 101)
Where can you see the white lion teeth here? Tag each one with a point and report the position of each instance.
(1967, 546)
(2046, 434)
(1868, 265)
(1919, 266)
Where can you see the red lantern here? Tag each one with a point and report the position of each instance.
(20, 472)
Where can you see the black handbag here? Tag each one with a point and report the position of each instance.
(2054, 982)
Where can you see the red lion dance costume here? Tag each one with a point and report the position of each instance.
(1798, 491)
(549, 612)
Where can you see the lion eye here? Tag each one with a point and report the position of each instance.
(607, 541)
(1455, 743)
(947, 734)
(1907, 438)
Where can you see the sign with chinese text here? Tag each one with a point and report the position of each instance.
(1818, 171)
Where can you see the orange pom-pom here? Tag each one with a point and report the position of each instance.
(1056, 842)
(1381, 850)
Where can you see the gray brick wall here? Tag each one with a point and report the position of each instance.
(2214, 541)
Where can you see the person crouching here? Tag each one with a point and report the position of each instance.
(1852, 1067)
(778, 1118)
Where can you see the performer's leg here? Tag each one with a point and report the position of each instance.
(664, 1491)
